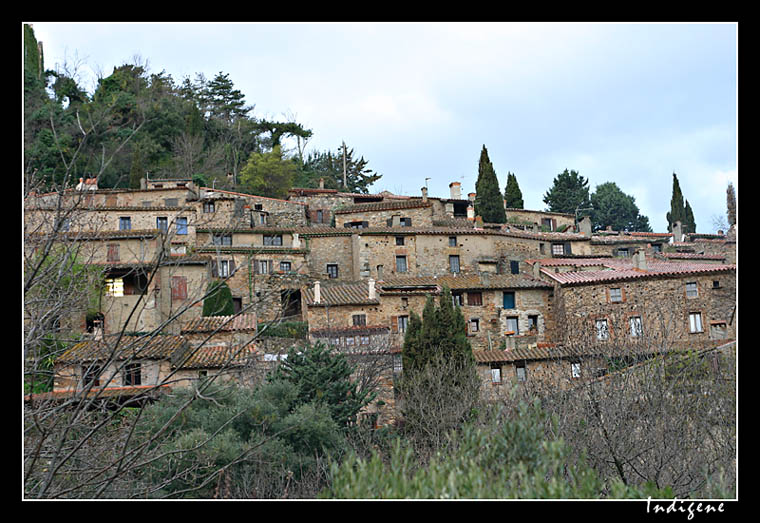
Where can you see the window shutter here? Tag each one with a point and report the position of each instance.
(394, 323)
(255, 266)
(269, 266)
(214, 269)
(232, 267)
(179, 288)
(568, 250)
(113, 253)
(554, 224)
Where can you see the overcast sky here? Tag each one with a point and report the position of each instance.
(623, 103)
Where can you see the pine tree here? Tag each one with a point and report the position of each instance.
(677, 209)
(488, 200)
(731, 204)
(512, 194)
(568, 192)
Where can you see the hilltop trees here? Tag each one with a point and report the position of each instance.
(488, 202)
(613, 208)
(569, 192)
(512, 195)
(328, 166)
(680, 212)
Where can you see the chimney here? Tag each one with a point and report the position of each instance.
(676, 230)
(479, 222)
(296, 241)
(456, 190)
(372, 293)
(424, 194)
(640, 260)
(321, 183)
(584, 225)
(143, 184)
(471, 197)
(536, 270)
(317, 293)
(470, 212)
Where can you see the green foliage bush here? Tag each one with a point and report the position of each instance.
(286, 329)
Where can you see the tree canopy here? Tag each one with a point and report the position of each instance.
(512, 194)
(488, 200)
(328, 166)
(568, 192)
(613, 208)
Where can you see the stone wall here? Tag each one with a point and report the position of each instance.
(420, 216)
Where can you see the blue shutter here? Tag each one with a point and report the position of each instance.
(509, 300)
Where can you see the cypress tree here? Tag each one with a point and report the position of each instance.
(731, 204)
(677, 209)
(512, 194)
(218, 301)
(488, 200)
(691, 226)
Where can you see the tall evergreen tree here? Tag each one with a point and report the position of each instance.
(731, 204)
(488, 200)
(512, 193)
(613, 208)
(569, 192)
(218, 301)
(329, 166)
(689, 223)
(677, 209)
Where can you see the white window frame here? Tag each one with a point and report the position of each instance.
(618, 297)
(692, 293)
(635, 326)
(495, 375)
(575, 370)
(602, 329)
(695, 322)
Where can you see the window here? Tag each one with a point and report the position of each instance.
(456, 298)
(454, 263)
(285, 266)
(274, 239)
(473, 326)
(114, 287)
(602, 330)
(162, 223)
(406, 222)
(125, 223)
(521, 371)
(63, 224)
(404, 303)
(336, 341)
(91, 375)
(349, 341)
(400, 263)
(359, 319)
(575, 370)
(224, 268)
(548, 223)
(262, 266)
(258, 206)
(558, 249)
(399, 240)
(634, 322)
(514, 267)
(132, 374)
(716, 284)
(209, 207)
(356, 225)
(695, 322)
(474, 298)
(541, 248)
(320, 216)
(221, 239)
(452, 241)
(332, 270)
(512, 325)
(533, 323)
(622, 252)
(113, 253)
(691, 290)
(616, 295)
(403, 323)
(495, 374)
(509, 300)
(181, 225)
(656, 247)
(397, 364)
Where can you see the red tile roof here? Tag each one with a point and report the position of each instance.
(239, 322)
(340, 294)
(99, 392)
(215, 357)
(382, 206)
(143, 347)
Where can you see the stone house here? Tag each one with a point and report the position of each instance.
(644, 300)
(541, 220)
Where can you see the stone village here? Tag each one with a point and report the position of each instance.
(544, 297)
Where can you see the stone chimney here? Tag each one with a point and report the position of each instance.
(321, 183)
(676, 230)
(479, 222)
(470, 213)
(536, 270)
(424, 194)
(372, 293)
(471, 197)
(143, 183)
(317, 293)
(640, 260)
(296, 241)
(584, 226)
(455, 188)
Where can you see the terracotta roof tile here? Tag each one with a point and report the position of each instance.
(466, 281)
(340, 294)
(215, 357)
(239, 322)
(382, 206)
(143, 347)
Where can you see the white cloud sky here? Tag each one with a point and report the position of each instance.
(629, 103)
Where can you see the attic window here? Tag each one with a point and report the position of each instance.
(558, 249)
